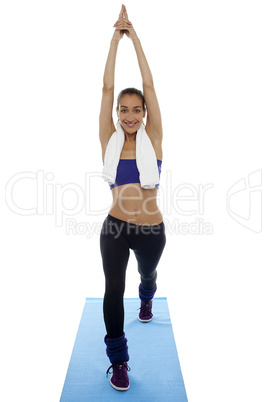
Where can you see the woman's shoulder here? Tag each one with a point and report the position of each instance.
(157, 144)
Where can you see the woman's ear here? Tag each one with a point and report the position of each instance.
(144, 113)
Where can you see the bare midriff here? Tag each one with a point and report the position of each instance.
(134, 204)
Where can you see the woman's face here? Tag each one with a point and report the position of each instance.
(131, 113)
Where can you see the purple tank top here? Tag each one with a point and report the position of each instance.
(127, 172)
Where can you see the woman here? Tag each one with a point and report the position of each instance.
(134, 220)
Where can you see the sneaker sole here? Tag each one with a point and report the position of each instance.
(118, 388)
(144, 320)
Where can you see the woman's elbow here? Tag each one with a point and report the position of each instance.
(107, 87)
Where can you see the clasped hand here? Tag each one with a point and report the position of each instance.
(124, 26)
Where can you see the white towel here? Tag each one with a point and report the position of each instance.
(146, 159)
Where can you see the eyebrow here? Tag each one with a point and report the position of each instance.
(134, 106)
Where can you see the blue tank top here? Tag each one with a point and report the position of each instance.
(127, 172)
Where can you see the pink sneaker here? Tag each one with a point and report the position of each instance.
(119, 377)
(145, 314)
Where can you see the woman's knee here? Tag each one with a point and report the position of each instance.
(115, 286)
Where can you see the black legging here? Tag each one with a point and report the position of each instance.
(116, 239)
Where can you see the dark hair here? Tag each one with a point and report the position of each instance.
(131, 91)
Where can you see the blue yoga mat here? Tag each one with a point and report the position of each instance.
(155, 369)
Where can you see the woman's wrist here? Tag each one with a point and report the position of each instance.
(135, 39)
(114, 39)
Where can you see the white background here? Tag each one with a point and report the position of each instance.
(208, 60)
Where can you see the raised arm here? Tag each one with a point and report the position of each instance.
(106, 124)
(154, 123)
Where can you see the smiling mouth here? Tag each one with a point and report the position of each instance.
(130, 124)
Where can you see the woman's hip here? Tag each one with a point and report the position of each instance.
(136, 235)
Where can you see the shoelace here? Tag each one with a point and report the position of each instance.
(120, 365)
(144, 309)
